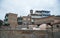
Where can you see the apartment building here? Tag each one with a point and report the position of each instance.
(38, 14)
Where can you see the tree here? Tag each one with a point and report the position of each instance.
(6, 24)
(1, 23)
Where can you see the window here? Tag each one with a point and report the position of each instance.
(38, 25)
(32, 22)
(6, 24)
(28, 18)
(24, 18)
(6, 20)
(19, 23)
(57, 26)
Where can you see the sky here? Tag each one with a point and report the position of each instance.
(23, 7)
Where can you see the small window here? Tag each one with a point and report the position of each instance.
(32, 22)
(57, 26)
(6, 24)
(49, 23)
(38, 25)
(19, 23)
(6, 20)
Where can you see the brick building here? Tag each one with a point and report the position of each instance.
(23, 21)
(11, 19)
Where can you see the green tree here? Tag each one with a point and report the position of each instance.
(1, 23)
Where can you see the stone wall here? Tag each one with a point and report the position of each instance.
(22, 34)
(28, 34)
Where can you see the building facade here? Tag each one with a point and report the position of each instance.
(20, 20)
(39, 14)
(11, 19)
(26, 20)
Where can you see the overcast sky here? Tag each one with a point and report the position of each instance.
(22, 7)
